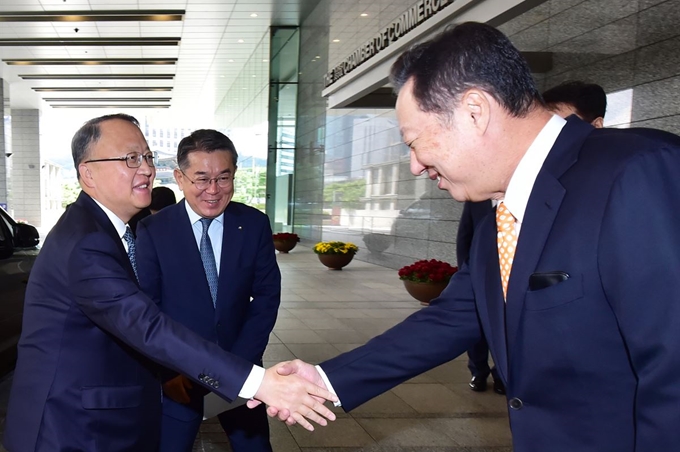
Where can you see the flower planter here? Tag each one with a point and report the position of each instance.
(424, 292)
(283, 246)
(336, 261)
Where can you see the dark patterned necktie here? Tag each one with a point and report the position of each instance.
(208, 258)
(132, 250)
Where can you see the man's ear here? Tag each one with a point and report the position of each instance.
(476, 106)
(179, 178)
(598, 123)
(86, 176)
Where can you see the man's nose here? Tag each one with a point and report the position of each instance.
(212, 186)
(416, 167)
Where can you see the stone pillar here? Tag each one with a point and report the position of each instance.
(5, 143)
(25, 173)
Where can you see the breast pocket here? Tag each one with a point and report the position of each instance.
(556, 295)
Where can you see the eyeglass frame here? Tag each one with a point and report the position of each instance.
(209, 182)
(149, 157)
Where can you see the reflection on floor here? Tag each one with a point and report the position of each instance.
(326, 312)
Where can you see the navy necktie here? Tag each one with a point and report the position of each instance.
(132, 250)
(208, 258)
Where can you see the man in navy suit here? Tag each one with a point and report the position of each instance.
(85, 378)
(588, 101)
(585, 333)
(247, 291)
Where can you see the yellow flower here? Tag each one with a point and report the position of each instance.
(335, 248)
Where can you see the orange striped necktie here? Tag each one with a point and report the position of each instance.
(506, 240)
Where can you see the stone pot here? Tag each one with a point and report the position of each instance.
(336, 261)
(424, 292)
(283, 246)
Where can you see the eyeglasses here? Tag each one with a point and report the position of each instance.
(202, 183)
(132, 160)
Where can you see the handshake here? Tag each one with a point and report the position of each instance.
(293, 391)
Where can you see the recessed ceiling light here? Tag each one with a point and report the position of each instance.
(318, 56)
(221, 76)
(94, 16)
(336, 40)
(254, 75)
(231, 61)
(90, 62)
(364, 14)
(253, 15)
(240, 41)
(265, 60)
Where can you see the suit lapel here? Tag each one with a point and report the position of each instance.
(104, 222)
(232, 243)
(488, 293)
(544, 204)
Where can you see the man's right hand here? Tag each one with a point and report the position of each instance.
(296, 396)
(176, 389)
(301, 369)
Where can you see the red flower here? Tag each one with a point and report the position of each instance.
(428, 271)
(286, 236)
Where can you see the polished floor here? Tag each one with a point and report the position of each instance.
(326, 312)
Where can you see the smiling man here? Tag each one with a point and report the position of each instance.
(210, 264)
(587, 344)
(85, 379)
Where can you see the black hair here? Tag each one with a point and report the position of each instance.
(206, 140)
(589, 99)
(161, 197)
(462, 57)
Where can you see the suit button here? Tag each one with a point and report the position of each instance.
(516, 404)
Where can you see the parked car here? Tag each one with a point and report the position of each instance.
(18, 250)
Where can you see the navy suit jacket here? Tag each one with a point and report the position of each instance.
(171, 273)
(83, 379)
(592, 363)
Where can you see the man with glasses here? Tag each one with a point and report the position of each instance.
(210, 264)
(85, 377)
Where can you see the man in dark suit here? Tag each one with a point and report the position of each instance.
(588, 101)
(581, 317)
(247, 287)
(85, 379)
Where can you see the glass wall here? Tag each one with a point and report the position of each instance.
(283, 94)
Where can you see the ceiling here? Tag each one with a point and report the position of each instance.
(184, 64)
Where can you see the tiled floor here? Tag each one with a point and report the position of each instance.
(325, 312)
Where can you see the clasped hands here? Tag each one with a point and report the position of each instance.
(293, 391)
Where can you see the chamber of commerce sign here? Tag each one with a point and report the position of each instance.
(410, 19)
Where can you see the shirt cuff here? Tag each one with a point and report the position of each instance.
(253, 382)
(328, 384)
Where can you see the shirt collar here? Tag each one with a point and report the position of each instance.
(117, 222)
(195, 218)
(524, 177)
